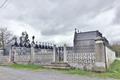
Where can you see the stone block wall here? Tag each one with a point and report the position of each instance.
(35, 56)
(1, 52)
(81, 60)
(84, 59)
(97, 58)
(110, 56)
(22, 59)
(104, 55)
(44, 57)
(3, 59)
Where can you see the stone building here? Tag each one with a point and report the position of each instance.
(91, 51)
(84, 42)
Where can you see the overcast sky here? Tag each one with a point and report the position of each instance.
(55, 20)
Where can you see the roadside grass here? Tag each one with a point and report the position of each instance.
(112, 72)
(26, 67)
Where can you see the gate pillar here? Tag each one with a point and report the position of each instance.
(100, 55)
(65, 54)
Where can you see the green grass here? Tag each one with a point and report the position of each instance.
(26, 67)
(112, 72)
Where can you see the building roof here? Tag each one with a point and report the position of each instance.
(87, 35)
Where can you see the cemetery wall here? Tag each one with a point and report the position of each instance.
(38, 56)
(110, 56)
(81, 60)
(3, 59)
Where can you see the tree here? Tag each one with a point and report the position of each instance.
(5, 36)
(116, 47)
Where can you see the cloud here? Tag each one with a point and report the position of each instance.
(55, 20)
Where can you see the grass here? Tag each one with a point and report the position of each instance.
(26, 67)
(112, 72)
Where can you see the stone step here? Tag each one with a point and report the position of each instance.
(58, 66)
(54, 67)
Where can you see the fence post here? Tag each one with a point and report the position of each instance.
(10, 55)
(100, 55)
(54, 53)
(32, 55)
(65, 54)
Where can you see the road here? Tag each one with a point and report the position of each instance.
(13, 74)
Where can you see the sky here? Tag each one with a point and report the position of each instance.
(55, 20)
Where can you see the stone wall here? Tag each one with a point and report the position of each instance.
(22, 59)
(110, 56)
(95, 58)
(37, 56)
(104, 55)
(81, 60)
(3, 59)
(1, 52)
(84, 57)
(43, 57)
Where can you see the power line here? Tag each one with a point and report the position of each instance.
(3, 3)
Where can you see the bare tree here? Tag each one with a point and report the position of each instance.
(5, 36)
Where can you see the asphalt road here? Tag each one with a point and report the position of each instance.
(13, 74)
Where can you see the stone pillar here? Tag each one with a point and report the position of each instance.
(54, 53)
(100, 55)
(10, 55)
(32, 55)
(65, 54)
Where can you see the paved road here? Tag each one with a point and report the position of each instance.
(13, 74)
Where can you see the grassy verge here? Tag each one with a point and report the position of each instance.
(112, 72)
(26, 67)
